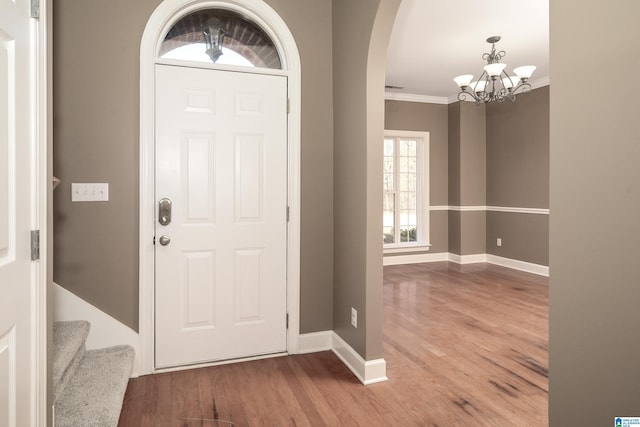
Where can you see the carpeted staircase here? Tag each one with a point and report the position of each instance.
(89, 385)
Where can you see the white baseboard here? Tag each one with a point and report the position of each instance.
(528, 267)
(414, 258)
(367, 371)
(315, 342)
(105, 330)
(467, 259)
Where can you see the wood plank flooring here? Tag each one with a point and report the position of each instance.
(464, 345)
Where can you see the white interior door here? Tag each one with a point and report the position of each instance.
(221, 159)
(16, 186)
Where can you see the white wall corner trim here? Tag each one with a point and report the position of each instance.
(105, 330)
(541, 270)
(367, 371)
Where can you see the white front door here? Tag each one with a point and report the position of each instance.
(17, 285)
(221, 161)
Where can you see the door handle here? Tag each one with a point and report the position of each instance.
(165, 240)
(164, 211)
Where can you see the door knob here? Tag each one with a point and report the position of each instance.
(165, 240)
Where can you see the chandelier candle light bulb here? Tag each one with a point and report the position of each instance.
(494, 83)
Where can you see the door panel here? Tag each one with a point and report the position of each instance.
(16, 283)
(221, 157)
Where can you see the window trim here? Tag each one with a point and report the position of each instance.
(423, 220)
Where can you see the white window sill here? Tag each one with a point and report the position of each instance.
(398, 249)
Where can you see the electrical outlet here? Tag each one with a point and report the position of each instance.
(499, 241)
(354, 317)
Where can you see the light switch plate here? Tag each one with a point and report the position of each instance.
(90, 192)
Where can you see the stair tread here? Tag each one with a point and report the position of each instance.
(68, 340)
(94, 395)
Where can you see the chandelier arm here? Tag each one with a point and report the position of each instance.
(522, 88)
(484, 76)
(462, 96)
(507, 91)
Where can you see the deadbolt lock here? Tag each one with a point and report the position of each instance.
(164, 211)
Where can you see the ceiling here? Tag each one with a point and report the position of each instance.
(434, 40)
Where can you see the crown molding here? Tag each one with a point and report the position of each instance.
(541, 82)
(411, 97)
(427, 99)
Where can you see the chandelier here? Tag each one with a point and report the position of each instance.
(494, 83)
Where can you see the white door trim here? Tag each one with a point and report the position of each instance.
(42, 270)
(160, 21)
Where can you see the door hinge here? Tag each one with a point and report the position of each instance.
(35, 9)
(288, 105)
(287, 213)
(287, 321)
(35, 245)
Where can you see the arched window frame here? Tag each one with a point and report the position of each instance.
(243, 36)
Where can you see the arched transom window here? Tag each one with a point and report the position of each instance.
(220, 36)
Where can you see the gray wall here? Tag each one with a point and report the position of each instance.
(96, 110)
(472, 160)
(432, 118)
(594, 227)
(513, 171)
(360, 37)
(518, 176)
(518, 151)
(306, 19)
(473, 154)
(467, 177)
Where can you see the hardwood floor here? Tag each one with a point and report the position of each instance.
(464, 345)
